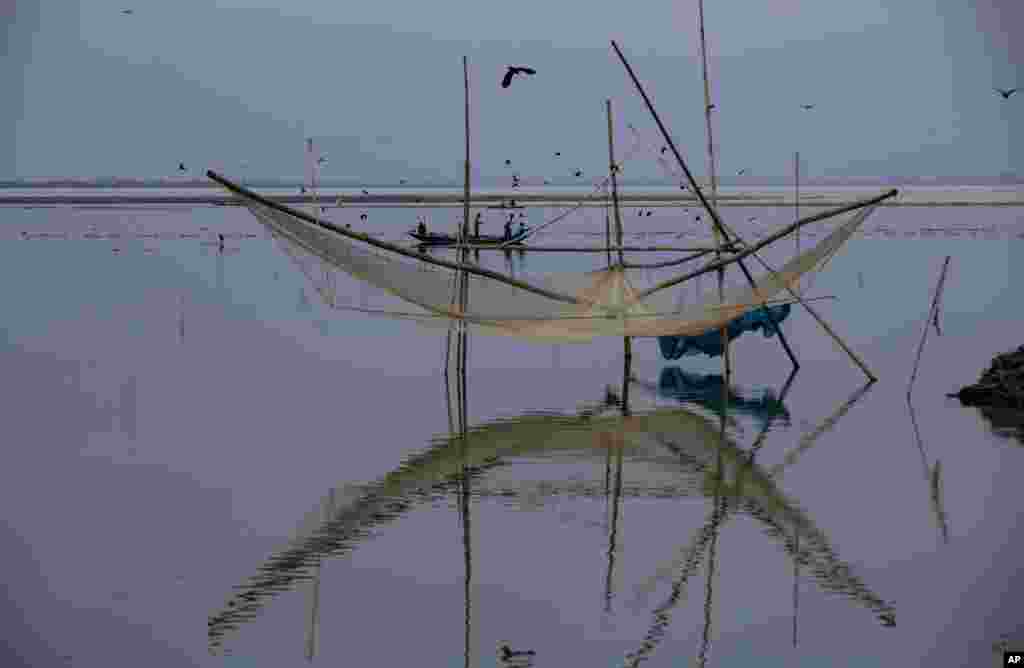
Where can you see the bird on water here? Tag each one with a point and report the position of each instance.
(506, 81)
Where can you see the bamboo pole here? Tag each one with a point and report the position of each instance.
(928, 322)
(796, 198)
(712, 176)
(592, 249)
(613, 168)
(707, 116)
(608, 231)
(464, 232)
(384, 245)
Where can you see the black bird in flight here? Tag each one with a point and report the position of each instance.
(741, 172)
(181, 167)
(807, 107)
(1006, 92)
(128, 11)
(558, 154)
(512, 71)
(578, 173)
(508, 163)
(507, 653)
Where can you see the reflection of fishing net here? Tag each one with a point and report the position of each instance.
(559, 308)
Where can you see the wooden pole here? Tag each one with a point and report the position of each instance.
(613, 168)
(719, 237)
(796, 200)
(464, 232)
(608, 231)
(707, 115)
(928, 323)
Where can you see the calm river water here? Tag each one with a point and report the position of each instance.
(200, 454)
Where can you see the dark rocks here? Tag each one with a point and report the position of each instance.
(1002, 385)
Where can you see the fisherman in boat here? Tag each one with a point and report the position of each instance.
(421, 229)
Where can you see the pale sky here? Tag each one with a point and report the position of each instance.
(901, 87)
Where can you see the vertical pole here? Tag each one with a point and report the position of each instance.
(309, 164)
(608, 231)
(613, 168)
(796, 206)
(465, 208)
(707, 113)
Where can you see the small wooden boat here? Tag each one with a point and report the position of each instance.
(435, 239)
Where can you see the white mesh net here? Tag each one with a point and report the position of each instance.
(608, 302)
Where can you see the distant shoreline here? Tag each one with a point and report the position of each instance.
(495, 183)
(551, 197)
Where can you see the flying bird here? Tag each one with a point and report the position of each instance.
(741, 172)
(558, 154)
(508, 654)
(578, 173)
(508, 163)
(181, 167)
(1006, 92)
(128, 11)
(365, 192)
(807, 107)
(512, 71)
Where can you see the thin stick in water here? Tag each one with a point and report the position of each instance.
(927, 323)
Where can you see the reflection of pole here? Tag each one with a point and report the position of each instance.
(796, 579)
(616, 502)
(181, 318)
(932, 477)
(312, 633)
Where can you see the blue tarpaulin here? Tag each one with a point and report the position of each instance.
(710, 343)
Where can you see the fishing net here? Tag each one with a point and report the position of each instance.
(558, 308)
